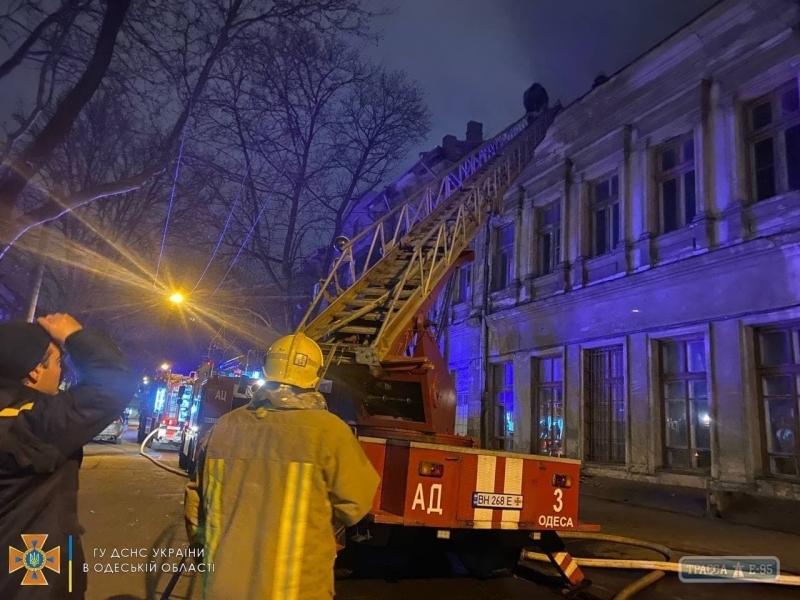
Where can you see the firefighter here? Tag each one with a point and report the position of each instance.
(274, 480)
(42, 433)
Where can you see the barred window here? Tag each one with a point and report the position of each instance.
(778, 360)
(684, 389)
(463, 380)
(549, 387)
(606, 415)
(773, 124)
(676, 183)
(503, 405)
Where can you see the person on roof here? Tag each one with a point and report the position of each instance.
(42, 433)
(274, 479)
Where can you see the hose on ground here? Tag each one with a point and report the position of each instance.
(637, 586)
(633, 588)
(616, 539)
(658, 568)
(158, 463)
(645, 565)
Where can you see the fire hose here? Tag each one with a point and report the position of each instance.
(174, 579)
(156, 462)
(658, 568)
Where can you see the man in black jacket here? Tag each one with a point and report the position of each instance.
(42, 433)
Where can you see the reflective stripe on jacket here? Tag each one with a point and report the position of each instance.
(270, 485)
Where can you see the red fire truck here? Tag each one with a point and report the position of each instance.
(213, 394)
(166, 407)
(388, 378)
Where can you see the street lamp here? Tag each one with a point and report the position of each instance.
(165, 367)
(176, 298)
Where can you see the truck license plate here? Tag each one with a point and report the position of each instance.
(503, 501)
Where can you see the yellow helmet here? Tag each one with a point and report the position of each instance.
(294, 360)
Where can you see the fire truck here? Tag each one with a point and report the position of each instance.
(166, 407)
(388, 378)
(214, 392)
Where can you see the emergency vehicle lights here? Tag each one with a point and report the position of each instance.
(562, 481)
(430, 469)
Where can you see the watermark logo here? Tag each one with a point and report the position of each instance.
(728, 569)
(34, 559)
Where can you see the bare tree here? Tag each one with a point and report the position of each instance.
(165, 56)
(315, 127)
(31, 159)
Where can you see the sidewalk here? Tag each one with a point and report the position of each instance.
(687, 534)
(761, 512)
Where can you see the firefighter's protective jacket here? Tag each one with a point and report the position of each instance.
(41, 441)
(273, 479)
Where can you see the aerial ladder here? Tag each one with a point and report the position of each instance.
(388, 378)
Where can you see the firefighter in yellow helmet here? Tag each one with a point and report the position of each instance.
(274, 479)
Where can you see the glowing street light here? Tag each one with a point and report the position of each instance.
(165, 367)
(145, 380)
(176, 298)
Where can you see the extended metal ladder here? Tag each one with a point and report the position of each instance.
(410, 249)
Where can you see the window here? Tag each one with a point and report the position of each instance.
(676, 183)
(463, 381)
(605, 406)
(549, 386)
(503, 257)
(605, 215)
(464, 283)
(778, 356)
(774, 142)
(687, 420)
(503, 396)
(549, 235)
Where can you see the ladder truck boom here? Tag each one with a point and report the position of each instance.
(373, 328)
(389, 379)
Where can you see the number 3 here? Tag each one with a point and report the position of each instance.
(559, 504)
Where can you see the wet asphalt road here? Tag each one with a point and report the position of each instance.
(127, 502)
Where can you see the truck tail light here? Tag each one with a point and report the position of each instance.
(562, 481)
(430, 469)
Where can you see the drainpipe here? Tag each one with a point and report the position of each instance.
(486, 400)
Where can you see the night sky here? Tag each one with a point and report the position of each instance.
(475, 58)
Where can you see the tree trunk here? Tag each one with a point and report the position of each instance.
(32, 158)
(61, 14)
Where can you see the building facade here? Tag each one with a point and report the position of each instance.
(636, 304)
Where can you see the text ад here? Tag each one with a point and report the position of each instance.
(728, 569)
(555, 522)
(434, 499)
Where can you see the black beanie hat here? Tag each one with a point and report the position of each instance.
(22, 347)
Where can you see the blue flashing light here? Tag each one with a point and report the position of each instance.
(510, 422)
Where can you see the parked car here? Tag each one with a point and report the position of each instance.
(113, 432)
